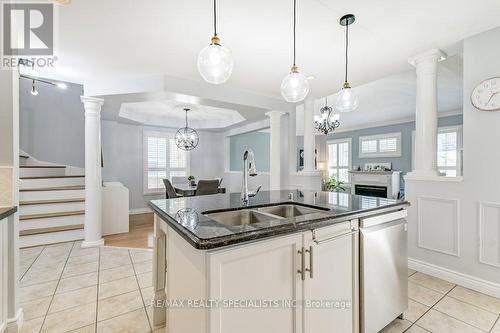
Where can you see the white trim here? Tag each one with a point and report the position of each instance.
(252, 127)
(96, 243)
(16, 323)
(377, 138)
(456, 204)
(136, 211)
(241, 172)
(468, 281)
(410, 177)
(482, 205)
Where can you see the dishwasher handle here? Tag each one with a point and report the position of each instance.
(321, 241)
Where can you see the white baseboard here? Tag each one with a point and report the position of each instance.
(14, 324)
(140, 211)
(468, 281)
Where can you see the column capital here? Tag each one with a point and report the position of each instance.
(275, 113)
(434, 56)
(92, 104)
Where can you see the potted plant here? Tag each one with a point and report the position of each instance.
(333, 184)
(191, 180)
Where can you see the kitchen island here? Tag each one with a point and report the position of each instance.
(289, 261)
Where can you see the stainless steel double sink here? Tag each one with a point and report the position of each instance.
(263, 214)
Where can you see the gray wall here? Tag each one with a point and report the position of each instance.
(402, 163)
(51, 124)
(258, 141)
(122, 147)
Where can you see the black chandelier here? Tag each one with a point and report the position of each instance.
(328, 121)
(186, 138)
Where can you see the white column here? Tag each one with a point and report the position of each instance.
(93, 178)
(309, 143)
(275, 158)
(426, 126)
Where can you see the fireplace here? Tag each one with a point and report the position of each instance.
(372, 191)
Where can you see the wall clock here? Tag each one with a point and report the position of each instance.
(486, 95)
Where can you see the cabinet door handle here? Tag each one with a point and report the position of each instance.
(311, 262)
(302, 270)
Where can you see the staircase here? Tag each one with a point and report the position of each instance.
(51, 203)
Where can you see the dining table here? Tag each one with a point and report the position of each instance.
(188, 190)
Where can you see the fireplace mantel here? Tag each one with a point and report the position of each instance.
(376, 179)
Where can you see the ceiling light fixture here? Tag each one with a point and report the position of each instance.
(294, 87)
(186, 138)
(347, 100)
(328, 121)
(215, 62)
(34, 92)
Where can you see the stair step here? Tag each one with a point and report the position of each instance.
(51, 222)
(55, 188)
(51, 177)
(48, 215)
(52, 181)
(51, 238)
(41, 166)
(56, 201)
(23, 156)
(50, 230)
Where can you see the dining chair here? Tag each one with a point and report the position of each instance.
(170, 191)
(207, 187)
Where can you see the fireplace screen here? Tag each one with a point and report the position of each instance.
(372, 191)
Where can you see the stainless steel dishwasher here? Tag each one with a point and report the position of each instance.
(383, 270)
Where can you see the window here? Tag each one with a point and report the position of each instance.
(381, 145)
(162, 159)
(449, 151)
(339, 159)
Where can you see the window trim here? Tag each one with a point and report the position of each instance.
(378, 137)
(161, 134)
(327, 152)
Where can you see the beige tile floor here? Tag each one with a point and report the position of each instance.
(64, 288)
(438, 306)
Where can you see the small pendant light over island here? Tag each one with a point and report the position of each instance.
(215, 62)
(347, 100)
(294, 87)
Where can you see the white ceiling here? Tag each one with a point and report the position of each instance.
(109, 38)
(169, 113)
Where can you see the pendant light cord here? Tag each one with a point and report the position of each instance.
(294, 25)
(346, 48)
(215, 20)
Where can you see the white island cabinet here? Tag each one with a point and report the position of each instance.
(304, 282)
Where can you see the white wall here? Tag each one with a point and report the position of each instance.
(122, 146)
(454, 226)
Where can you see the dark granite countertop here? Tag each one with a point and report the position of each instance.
(6, 212)
(186, 215)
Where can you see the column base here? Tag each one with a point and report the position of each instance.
(99, 242)
(14, 324)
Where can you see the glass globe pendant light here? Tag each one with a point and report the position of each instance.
(294, 87)
(215, 62)
(186, 138)
(347, 100)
